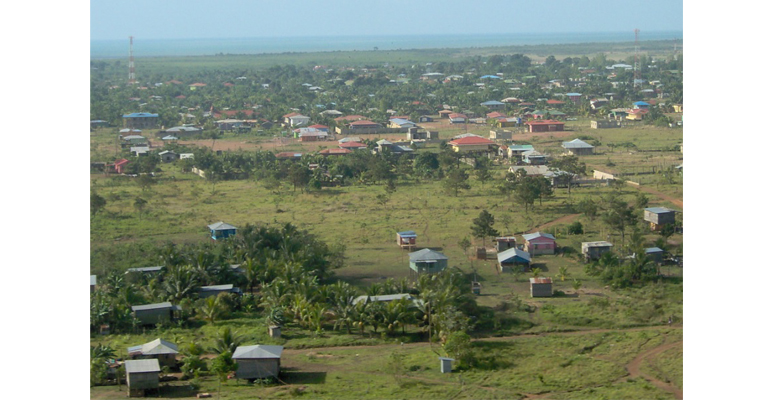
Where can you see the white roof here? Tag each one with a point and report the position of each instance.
(139, 366)
(257, 351)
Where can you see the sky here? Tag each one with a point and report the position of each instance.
(196, 19)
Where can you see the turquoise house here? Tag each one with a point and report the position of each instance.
(427, 261)
(221, 230)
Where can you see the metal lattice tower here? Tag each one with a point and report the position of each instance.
(637, 69)
(131, 73)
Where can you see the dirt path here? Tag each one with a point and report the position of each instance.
(634, 370)
(561, 220)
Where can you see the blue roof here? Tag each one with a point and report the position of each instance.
(492, 103)
(139, 115)
(641, 103)
(574, 94)
(510, 254)
(490, 77)
(407, 234)
(530, 236)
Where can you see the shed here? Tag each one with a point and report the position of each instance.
(258, 361)
(142, 375)
(446, 364)
(539, 243)
(151, 314)
(512, 257)
(221, 230)
(167, 156)
(540, 287)
(93, 283)
(533, 157)
(504, 243)
(384, 298)
(659, 216)
(594, 250)
(427, 261)
(159, 349)
(406, 239)
(655, 254)
(215, 290)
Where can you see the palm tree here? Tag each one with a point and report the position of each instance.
(227, 340)
(179, 283)
(563, 273)
(210, 309)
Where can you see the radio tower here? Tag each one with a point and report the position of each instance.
(637, 69)
(131, 74)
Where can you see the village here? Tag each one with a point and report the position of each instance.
(238, 220)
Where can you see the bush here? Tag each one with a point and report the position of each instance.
(575, 228)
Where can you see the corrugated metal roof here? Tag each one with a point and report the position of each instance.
(426, 255)
(257, 351)
(93, 280)
(540, 280)
(658, 210)
(139, 115)
(139, 366)
(653, 250)
(154, 306)
(219, 226)
(385, 297)
(156, 347)
(213, 288)
(601, 243)
(512, 253)
(407, 234)
(145, 269)
(531, 236)
(576, 144)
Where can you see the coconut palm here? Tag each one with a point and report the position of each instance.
(210, 309)
(227, 340)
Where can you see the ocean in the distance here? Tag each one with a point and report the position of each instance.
(199, 47)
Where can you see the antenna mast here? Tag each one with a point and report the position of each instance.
(131, 74)
(637, 69)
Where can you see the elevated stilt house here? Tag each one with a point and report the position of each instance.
(406, 239)
(159, 349)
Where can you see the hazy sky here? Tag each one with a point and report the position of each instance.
(178, 19)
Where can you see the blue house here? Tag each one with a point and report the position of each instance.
(641, 105)
(221, 230)
(140, 120)
(509, 258)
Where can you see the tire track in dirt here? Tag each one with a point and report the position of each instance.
(561, 220)
(634, 371)
(672, 199)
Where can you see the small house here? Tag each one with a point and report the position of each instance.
(471, 144)
(406, 239)
(120, 166)
(578, 147)
(533, 157)
(141, 376)
(258, 362)
(457, 118)
(516, 150)
(500, 134)
(546, 125)
(401, 123)
(385, 298)
(594, 250)
(512, 258)
(167, 156)
(540, 287)
(503, 243)
(659, 216)
(151, 314)
(427, 261)
(655, 254)
(539, 243)
(605, 124)
(221, 230)
(215, 290)
(159, 349)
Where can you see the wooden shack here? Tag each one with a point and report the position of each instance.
(504, 243)
(159, 349)
(406, 239)
(594, 250)
(258, 361)
(142, 376)
(659, 216)
(540, 287)
(151, 314)
(655, 254)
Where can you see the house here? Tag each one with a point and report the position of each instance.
(540, 287)
(352, 145)
(229, 124)
(655, 254)
(221, 230)
(320, 127)
(516, 150)
(574, 97)
(139, 151)
(605, 124)
(444, 113)
(363, 125)
(183, 131)
(146, 270)
(141, 376)
(416, 134)
(637, 114)
(511, 258)
(134, 140)
(641, 105)
(507, 122)
(578, 147)
(425, 118)
(392, 147)
(471, 144)
(98, 123)
(140, 120)
(151, 314)
(385, 298)
(159, 349)
(310, 134)
(659, 216)
(493, 105)
(120, 165)
(533, 157)
(594, 250)
(539, 243)
(406, 239)
(555, 103)
(349, 118)
(678, 108)
(401, 123)
(258, 362)
(93, 283)
(547, 125)
(500, 134)
(196, 85)
(215, 290)
(167, 156)
(457, 118)
(288, 155)
(334, 152)
(427, 261)
(503, 243)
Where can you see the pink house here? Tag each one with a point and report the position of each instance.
(539, 243)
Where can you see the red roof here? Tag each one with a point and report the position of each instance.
(445, 112)
(122, 161)
(335, 151)
(174, 81)
(198, 84)
(545, 122)
(352, 145)
(554, 102)
(470, 140)
(318, 126)
(495, 115)
(294, 114)
(526, 104)
(288, 154)
(228, 84)
(181, 96)
(233, 113)
(363, 123)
